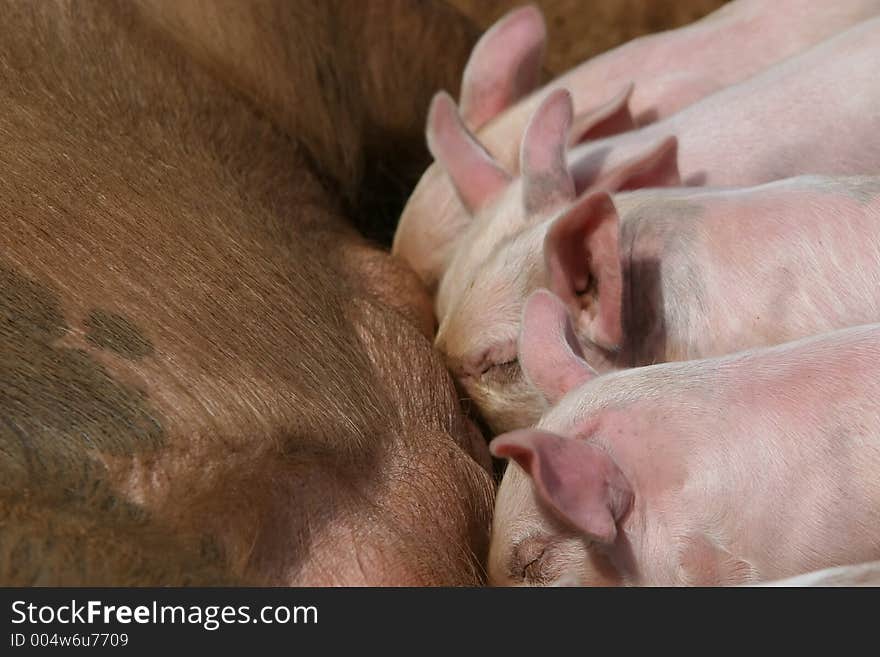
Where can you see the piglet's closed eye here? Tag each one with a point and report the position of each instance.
(576, 480)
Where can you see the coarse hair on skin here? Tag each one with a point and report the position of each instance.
(349, 81)
(196, 344)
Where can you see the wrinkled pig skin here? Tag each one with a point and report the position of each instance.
(756, 466)
(669, 70)
(202, 379)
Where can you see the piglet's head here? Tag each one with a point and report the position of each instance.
(563, 525)
(497, 100)
(498, 263)
(559, 504)
(499, 260)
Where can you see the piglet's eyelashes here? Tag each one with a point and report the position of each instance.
(503, 373)
(527, 562)
(498, 361)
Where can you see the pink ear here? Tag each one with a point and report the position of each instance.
(656, 167)
(476, 176)
(582, 254)
(504, 66)
(577, 480)
(549, 353)
(609, 119)
(546, 180)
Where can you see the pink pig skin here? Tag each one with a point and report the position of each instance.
(676, 68)
(755, 466)
(670, 70)
(764, 128)
(862, 574)
(714, 272)
(676, 274)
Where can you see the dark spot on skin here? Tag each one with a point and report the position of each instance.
(27, 308)
(668, 229)
(58, 403)
(116, 333)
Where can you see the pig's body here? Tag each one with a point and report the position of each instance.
(206, 375)
(705, 272)
(756, 466)
(744, 135)
(673, 69)
(814, 113)
(670, 70)
(716, 272)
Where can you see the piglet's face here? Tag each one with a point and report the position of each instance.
(481, 306)
(528, 548)
(557, 512)
(498, 261)
(561, 499)
(532, 547)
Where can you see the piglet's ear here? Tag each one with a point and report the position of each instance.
(578, 481)
(547, 184)
(582, 254)
(475, 175)
(504, 66)
(657, 166)
(609, 119)
(549, 353)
